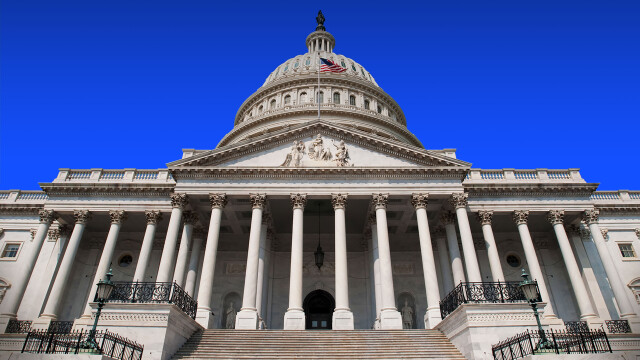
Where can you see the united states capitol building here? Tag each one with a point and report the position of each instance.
(320, 210)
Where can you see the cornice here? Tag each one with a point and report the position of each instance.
(441, 173)
(526, 190)
(96, 189)
(20, 209)
(389, 147)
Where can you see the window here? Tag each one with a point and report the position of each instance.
(308, 62)
(353, 67)
(272, 105)
(125, 260)
(321, 97)
(296, 65)
(352, 100)
(634, 285)
(10, 250)
(260, 109)
(379, 109)
(627, 250)
(393, 116)
(336, 98)
(303, 97)
(513, 260)
(343, 64)
(366, 104)
(287, 100)
(286, 67)
(363, 74)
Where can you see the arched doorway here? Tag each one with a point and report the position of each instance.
(318, 310)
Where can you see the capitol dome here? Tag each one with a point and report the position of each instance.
(351, 98)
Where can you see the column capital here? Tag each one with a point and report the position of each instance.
(218, 200)
(448, 217)
(590, 216)
(81, 216)
(380, 201)
(47, 216)
(459, 200)
(179, 200)
(521, 217)
(555, 216)
(190, 217)
(298, 201)
(53, 234)
(485, 217)
(117, 216)
(419, 201)
(604, 232)
(153, 216)
(339, 201)
(199, 232)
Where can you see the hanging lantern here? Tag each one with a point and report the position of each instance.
(319, 254)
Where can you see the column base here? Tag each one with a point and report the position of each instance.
(205, 318)
(634, 323)
(43, 322)
(376, 324)
(4, 321)
(342, 320)
(247, 320)
(294, 320)
(390, 319)
(432, 318)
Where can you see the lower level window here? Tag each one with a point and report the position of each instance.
(627, 250)
(10, 250)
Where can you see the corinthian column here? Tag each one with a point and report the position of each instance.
(152, 216)
(192, 272)
(389, 316)
(21, 279)
(443, 255)
(55, 295)
(459, 202)
(449, 220)
(117, 217)
(190, 219)
(178, 202)
(520, 217)
(342, 316)
(556, 218)
(247, 318)
(484, 218)
(294, 317)
(432, 316)
(204, 316)
(590, 217)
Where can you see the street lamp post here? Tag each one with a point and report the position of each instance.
(532, 294)
(105, 287)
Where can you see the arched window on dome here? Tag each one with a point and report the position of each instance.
(379, 109)
(308, 62)
(272, 105)
(353, 67)
(296, 65)
(286, 67)
(303, 97)
(320, 97)
(287, 100)
(260, 109)
(352, 100)
(343, 64)
(336, 98)
(393, 116)
(366, 104)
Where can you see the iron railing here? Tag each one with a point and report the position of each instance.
(576, 326)
(60, 327)
(109, 344)
(569, 342)
(481, 292)
(18, 327)
(618, 326)
(154, 292)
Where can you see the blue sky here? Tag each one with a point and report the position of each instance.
(510, 84)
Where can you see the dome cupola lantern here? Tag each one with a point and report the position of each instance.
(320, 40)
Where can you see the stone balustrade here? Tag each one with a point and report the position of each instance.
(110, 176)
(616, 197)
(22, 196)
(524, 175)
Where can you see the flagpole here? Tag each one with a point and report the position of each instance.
(318, 98)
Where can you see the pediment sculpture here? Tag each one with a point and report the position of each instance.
(317, 154)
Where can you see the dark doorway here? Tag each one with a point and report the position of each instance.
(318, 310)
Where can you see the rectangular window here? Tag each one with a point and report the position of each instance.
(10, 250)
(627, 250)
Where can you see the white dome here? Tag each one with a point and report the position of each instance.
(308, 64)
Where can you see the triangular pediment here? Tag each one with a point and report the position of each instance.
(319, 145)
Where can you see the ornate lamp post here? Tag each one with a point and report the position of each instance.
(319, 254)
(532, 294)
(105, 287)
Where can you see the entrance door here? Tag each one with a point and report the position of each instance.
(318, 309)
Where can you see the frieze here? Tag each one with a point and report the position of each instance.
(20, 210)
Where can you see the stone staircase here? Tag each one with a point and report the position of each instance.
(348, 344)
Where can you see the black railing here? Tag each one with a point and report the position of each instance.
(18, 327)
(109, 344)
(569, 342)
(481, 292)
(576, 326)
(60, 327)
(618, 326)
(154, 292)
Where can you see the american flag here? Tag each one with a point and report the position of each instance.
(330, 66)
